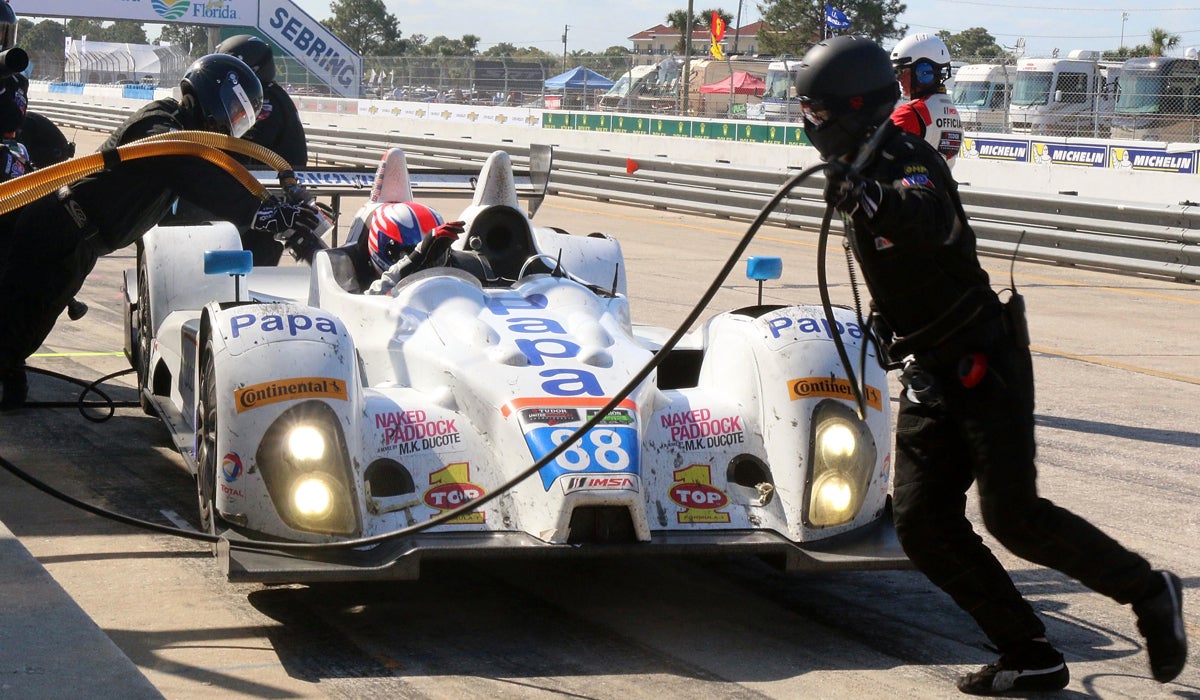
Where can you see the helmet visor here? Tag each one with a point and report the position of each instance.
(815, 111)
(242, 115)
(8, 35)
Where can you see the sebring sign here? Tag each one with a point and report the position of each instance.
(301, 36)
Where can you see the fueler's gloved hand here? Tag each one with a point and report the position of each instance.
(293, 224)
(849, 194)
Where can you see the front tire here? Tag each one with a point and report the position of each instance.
(206, 443)
(145, 336)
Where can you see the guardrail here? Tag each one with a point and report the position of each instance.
(1124, 237)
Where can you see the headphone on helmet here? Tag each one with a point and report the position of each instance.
(924, 73)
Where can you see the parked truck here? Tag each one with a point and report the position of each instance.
(981, 93)
(1070, 96)
(653, 88)
(1158, 99)
(780, 102)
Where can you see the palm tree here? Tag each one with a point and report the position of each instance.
(678, 19)
(1161, 41)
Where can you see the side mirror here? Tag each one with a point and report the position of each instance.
(1058, 96)
(792, 92)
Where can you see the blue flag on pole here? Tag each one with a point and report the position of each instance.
(835, 18)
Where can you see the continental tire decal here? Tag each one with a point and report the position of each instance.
(809, 387)
(268, 393)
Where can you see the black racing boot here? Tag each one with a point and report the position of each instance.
(1160, 620)
(1028, 667)
(15, 387)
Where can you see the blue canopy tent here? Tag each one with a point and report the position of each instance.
(579, 86)
(578, 78)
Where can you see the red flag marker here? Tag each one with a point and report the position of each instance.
(631, 166)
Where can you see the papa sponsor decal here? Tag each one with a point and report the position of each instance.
(833, 388)
(267, 393)
(996, 149)
(1155, 160)
(451, 487)
(291, 325)
(415, 431)
(805, 328)
(1078, 155)
(694, 492)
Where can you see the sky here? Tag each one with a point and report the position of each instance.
(595, 25)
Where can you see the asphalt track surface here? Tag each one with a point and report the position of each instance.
(1118, 401)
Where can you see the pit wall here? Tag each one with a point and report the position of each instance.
(1134, 171)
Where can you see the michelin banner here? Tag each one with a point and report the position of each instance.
(301, 36)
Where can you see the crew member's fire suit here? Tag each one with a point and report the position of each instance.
(48, 248)
(966, 414)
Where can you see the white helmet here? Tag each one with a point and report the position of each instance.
(927, 55)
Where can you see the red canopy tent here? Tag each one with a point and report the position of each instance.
(743, 84)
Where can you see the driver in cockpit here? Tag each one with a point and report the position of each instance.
(405, 237)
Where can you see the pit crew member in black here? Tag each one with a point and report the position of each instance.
(278, 128)
(966, 414)
(48, 248)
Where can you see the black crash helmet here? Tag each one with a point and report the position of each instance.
(847, 87)
(227, 91)
(254, 52)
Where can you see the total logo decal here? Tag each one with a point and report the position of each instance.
(231, 467)
(694, 492)
(414, 431)
(451, 487)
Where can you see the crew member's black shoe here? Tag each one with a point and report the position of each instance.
(76, 309)
(1160, 620)
(1029, 667)
(15, 387)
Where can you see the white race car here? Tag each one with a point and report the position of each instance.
(312, 413)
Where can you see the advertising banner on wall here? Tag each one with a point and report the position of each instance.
(1152, 159)
(236, 13)
(1010, 150)
(301, 36)
(1082, 155)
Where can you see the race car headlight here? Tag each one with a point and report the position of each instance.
(842, 457)
(312, 496)
(305, 466)
(306, 443)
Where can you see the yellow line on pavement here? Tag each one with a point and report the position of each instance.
(78, 354)
(1116, 365)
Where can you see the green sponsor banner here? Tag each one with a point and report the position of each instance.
(720, 131)
(628, 124)
(558, 120)
(797, 137)
(593, 122)
(762, 133)
(670, 127)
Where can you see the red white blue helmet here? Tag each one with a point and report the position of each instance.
(396, 228)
